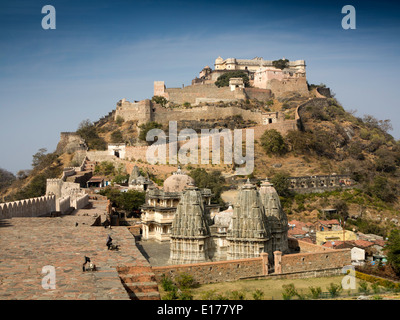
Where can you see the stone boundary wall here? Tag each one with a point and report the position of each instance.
(300, 262)
(136, 153)
(34, 207)
(210, 272)
(314, 260)
(80, 202)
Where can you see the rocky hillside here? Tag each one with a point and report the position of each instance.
(331, 140)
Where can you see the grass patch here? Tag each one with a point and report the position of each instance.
(262, 289)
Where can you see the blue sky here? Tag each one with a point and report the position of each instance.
(103, 51)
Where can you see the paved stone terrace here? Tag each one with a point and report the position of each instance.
(29, 244)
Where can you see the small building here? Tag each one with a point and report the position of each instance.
(329, 236)
(117, 149)
(97, 182)
(159, 210)
(235, 83)
(137, 181)
(357, 256)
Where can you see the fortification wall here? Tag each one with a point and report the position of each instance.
(258, 94)
(140, 111)
(136, 153)
(164, 115)
(278, 87)
(63, 205)
(34, 207)
(61, 189)
(70, 142)
(80, 202)
(191, 93)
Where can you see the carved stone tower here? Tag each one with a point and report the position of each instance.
(248, 235)
(276, 217)
(190, 234)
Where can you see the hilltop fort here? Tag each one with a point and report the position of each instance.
(267, 79)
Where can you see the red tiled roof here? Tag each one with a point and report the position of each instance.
(380, 242)
(96, 179)
(354, 243)
(296, 231)
(363, 243)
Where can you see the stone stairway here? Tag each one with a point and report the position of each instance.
(139, 282)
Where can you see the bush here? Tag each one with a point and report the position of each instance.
(237, 295)
(160, 100)
(258, 294)
(289, 291)
(223, 80)
(393, 250)
(119, 120)
(88, 132)
(166, 283)
(212, 180)
(315, 292)
(185, 281)
(375, 287)
(273, 142)
(382, 282)
(281, 184)
(281, 63)
(146, 127)
(212, 295)
(363, 287)
(299, 141)
(334, 289)
(116, 137)
(383, 189)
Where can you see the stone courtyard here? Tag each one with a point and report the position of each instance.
(29, 244)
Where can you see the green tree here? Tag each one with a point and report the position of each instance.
(87, 131)
(223, 80)
(105, 168)
(212, 180)
(383, 189)
(128, 201)
(281, 184)
(273, 142)
(393, 250)
(160, 100)
(299, 141)
(146, 127)
(281, 63)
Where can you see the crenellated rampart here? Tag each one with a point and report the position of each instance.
(34, 207)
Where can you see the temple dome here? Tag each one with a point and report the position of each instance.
(178, 182)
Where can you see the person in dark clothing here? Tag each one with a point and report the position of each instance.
(87, 259)
(109, 242)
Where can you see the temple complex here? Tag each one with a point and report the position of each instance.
(249, 233)
(276, 218)
(190, 233)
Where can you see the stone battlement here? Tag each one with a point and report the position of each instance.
(33, 207)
